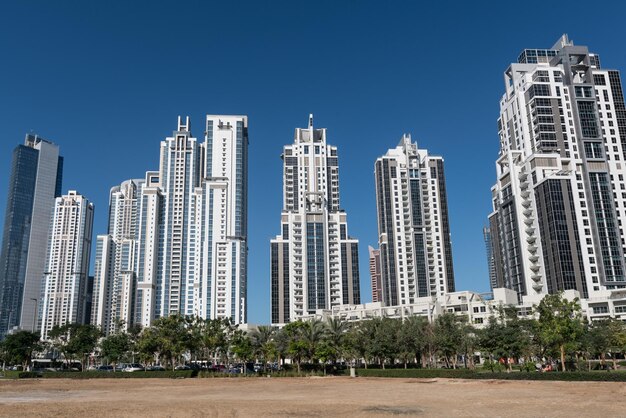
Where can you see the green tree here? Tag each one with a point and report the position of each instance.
(75, 341)
(412, 339)
(505, 336)
(313, 335)
(241, 346)
(334, 337)
(560, 323)
(115, 347)
(19, 347)
(171, 336)
(297, 347)
(449, 336)
(263, 343)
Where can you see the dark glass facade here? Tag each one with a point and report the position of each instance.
(559, 237)
(17, 228)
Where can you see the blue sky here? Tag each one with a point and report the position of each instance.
(106, 81)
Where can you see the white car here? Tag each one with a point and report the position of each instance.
(135, 367)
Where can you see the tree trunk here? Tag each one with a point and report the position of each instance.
(562, 349)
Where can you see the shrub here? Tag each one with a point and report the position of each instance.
(469, 374)
(177, 374)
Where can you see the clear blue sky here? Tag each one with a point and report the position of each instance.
(106, 81)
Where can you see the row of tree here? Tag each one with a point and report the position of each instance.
(555, 332)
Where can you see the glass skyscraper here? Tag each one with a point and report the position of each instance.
(35, 181)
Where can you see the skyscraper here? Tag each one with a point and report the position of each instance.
(560, 196)
(491, 266)
(375, 274)
(67, 263)
(36, 174)
(192, 252)
(115, 265)
(314, 262)
(413, 226)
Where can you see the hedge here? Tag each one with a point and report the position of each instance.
(177, 374)
(470, 374)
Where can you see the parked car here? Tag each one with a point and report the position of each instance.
(182, 367)
(135, 367)
(119, 367)
(104, 368)
(155, 368)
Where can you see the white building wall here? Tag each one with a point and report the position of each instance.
(67, 263)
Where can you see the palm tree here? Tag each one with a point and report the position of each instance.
(335, 336)
(313, 335)
(263, 343)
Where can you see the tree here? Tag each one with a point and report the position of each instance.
(313, 335)
(241, 346)
(297, 347)
(505, 336)
(412, 339)
(335, 335)
(115, 347)
(263, 343)
(560, 323)
(75, 341)
(448, 336)
(170, 336)
(18, 348)
(214, 334)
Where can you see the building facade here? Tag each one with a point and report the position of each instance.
(491, 265)
(115, 263)
(65, 287)
(560, 196)
(413, 226)
(35, 181)
(189, 251)
(314, 262)
(375, 274)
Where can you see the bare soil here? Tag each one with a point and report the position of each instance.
(308, 397)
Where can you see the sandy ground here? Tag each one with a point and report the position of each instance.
(308, 397)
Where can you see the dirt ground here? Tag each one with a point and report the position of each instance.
(308, 397)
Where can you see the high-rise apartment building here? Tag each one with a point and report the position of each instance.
(491, 265)
(375, 274)
(35, 181)
(115, 265)
(314, 262)
(413, 226)
(191, 255)
(64, 290)
(559, 202)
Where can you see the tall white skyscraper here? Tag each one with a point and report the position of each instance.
(191, 253)
(64, 289)
(413, 226)
(115, 265)
(559, 203)
(314, 262)
(224, 219)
